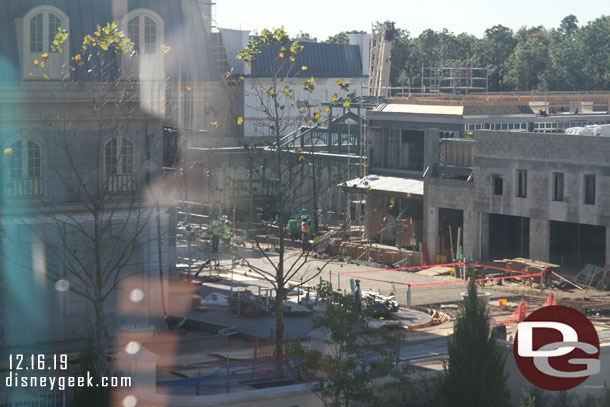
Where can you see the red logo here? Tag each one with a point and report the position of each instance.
(556, 348)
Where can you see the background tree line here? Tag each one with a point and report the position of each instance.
(569, 57)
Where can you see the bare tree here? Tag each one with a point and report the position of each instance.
(289, 167)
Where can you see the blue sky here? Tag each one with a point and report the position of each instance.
(322, 18)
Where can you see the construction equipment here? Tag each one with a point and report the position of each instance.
(382, 36)
(294, 224)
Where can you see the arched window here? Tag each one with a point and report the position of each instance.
(119, 171)
(145, 29)
(25, 169)
(40, 26)
(142, 30)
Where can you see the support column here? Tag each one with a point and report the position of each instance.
(483, 242)
(471, 234)
(431, 231)
(540, 239)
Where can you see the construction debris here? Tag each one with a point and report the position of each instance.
(590, 276)
(247, 304)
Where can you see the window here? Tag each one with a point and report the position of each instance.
(119, 176)
(145, 29)
(590, 189)
(558, 186)
(521, 183)
(40, 26)
(498, 185)
(24, 169)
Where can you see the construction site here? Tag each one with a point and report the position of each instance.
(392, 199)
(390, 205)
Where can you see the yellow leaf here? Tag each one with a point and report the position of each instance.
(301, 158)
(292, 59)
(304, 68)
(30, 74)
(215, 124)
(281, 55)
(44, 56)
(35, 62)
(8, 151)
(240, 120)
(327, 110)
(46, 76)
(42, 65)
(188, 88)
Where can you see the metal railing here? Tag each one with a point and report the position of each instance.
(24, 187)
(329, 133)
(120, 183)
(255, 374)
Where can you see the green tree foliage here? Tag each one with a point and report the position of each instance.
(475, 375)
(493, 52)
(529, 60)
(569, 57)
(354, 358)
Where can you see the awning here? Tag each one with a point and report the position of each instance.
(383, 183)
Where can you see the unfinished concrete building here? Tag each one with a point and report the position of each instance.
(539, 196)
(497, 176)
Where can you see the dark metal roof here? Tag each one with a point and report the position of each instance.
(322, 61)
(184, 32)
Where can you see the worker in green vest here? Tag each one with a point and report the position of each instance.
(215, 235)
(227, 234)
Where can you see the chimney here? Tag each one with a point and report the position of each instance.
(363, 41)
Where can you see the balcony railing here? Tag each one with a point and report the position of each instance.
(120, 183)
(24, 187)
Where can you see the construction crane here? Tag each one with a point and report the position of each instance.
(382, 36)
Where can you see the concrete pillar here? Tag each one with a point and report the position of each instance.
(483, 235)
(431, 141)
(471, 234)
(607, 246)
(540, 239)
(431, 231)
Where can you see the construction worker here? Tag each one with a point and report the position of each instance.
(215, 235)
(305, 231)
(546, 276)
(227, 234)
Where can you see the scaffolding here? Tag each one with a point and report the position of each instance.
(456, 80)
(382, 35)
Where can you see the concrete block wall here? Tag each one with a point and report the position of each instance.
(503, 153)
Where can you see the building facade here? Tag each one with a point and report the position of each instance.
(84, 205)
(498, 171)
